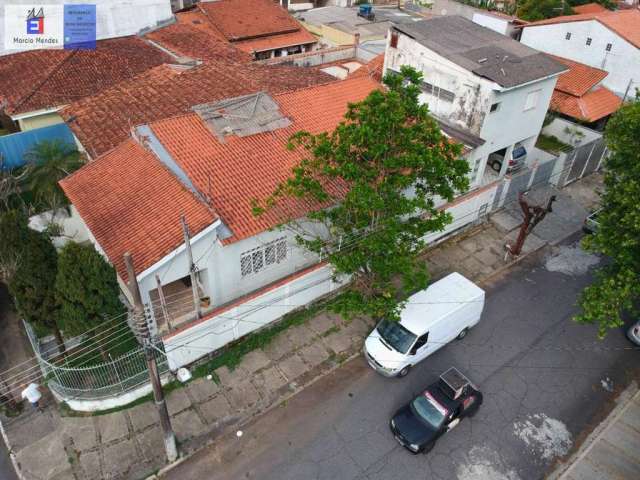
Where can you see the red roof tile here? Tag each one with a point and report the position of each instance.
(301, 37)
(588, 8)
(244, 19)
(589, 107)
(103, 121)
(579, 79)
(625, 23)
(246, 168)
(373, 68)
(51, 78)
(132, 203)
(194, 36)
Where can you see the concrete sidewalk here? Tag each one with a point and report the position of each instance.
(612, 451)
(128, 444)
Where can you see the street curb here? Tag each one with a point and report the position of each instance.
(167, 468)
(623, 401)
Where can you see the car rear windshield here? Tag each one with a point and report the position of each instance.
(429, 410)
(519, 152)
(396, 336)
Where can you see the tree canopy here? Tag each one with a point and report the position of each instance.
(29, 262)
(617, 285)
(86, 289)
(534, 10)
(49, 161)
(390, 162)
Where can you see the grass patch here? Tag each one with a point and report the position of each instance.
(551, 143)
(333, 329)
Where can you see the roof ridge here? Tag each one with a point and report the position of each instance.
(41, 83)
(324, 84)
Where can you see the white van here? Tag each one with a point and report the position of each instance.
(447, 309)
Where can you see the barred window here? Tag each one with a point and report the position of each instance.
(436, 91)
(245, 265)
(257, 259)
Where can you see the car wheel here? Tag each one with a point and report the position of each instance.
(404, 371)
(497, 166)
(462, 334)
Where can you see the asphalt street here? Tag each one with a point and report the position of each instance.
(545, 379)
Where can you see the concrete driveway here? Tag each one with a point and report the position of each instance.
(544, 378)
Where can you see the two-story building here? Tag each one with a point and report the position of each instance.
(481, 82)
(608, 40)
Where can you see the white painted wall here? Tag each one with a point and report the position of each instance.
(465, 210)
(219, 266)
(185, 347)
(500, 25)
(115, 18)
(622, 62)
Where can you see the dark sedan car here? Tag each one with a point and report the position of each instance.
(434, 412)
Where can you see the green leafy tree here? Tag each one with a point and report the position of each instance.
(534, 10)
(617, 285)
(50, 161)
(30, 266)
(86, 289)
(373, 182)
(14, 233)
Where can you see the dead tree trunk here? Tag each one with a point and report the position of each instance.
(532, 216)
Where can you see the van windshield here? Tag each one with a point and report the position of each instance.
(394, 334)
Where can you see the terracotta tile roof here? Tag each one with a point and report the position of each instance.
(50, 78)
(132, 203)
(625, 23)
(246, 168)
(588, 8)
(193, 36)
(245, 19)
(103, 121)
(373, 68)
(579, 79)
(589, 107)
(301, 37)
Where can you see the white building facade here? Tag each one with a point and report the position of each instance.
(593, 43)
(504, 117)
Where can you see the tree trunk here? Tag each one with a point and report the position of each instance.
(58, 334)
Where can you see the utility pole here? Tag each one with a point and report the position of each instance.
(533, 215)
(192, 267)
(140, 321)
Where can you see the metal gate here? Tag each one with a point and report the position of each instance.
(584, 160)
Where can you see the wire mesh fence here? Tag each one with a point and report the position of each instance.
(108, 379)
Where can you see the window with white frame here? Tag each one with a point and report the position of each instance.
(259, 258)
(589, 40)
(567, 36)
(609, 47)
(531, 100)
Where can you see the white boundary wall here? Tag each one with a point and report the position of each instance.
(186, 346)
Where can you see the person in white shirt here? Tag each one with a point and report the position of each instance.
(32, 393)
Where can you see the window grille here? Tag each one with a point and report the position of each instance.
(588, 40)
(257, 259)
(436, 91)
(609, 47)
